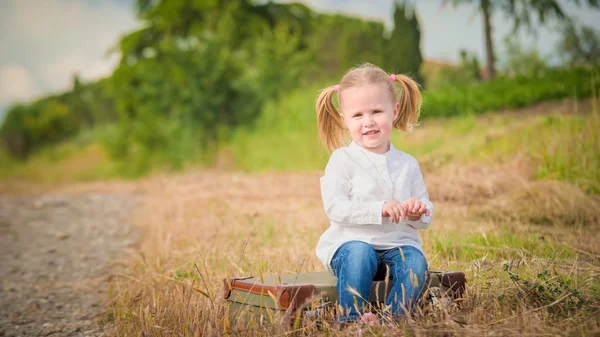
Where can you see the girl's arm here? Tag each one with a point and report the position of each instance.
(419, 191)
(335, 188)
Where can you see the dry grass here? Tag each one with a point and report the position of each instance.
(510, 232)
(18, 186)
(230, 224)
(476, 184)
(551, 202)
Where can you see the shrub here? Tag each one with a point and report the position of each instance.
(29, 126)
(510, 92)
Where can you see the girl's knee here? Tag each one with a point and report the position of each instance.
(418, 275)
(357, 255)
(410, 269)
(415, 260)
(420, 268)
(361, 255)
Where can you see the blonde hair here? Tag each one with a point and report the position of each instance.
(329, 119)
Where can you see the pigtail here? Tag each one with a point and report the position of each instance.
(329, 120)
(410, 103)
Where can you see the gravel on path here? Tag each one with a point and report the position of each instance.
(58, 254)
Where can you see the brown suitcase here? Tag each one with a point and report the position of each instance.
(281, 298)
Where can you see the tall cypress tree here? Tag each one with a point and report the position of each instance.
(404, 49)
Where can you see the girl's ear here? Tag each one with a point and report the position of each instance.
(396, 111)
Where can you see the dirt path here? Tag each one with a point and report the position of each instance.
(58, 253)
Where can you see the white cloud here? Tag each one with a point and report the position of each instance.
(16, 83)
(61, 71)
(53, 39)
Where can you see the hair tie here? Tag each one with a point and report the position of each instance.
(393, 77)
(336, 87)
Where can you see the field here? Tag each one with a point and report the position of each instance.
(517, 209)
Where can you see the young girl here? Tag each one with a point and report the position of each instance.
(373, 194)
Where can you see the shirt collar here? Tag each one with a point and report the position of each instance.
(372, 155)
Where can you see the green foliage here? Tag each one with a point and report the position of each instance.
(80, 158)
(29, 126)
(198, 70)
(466, 73)
(580, 45)
(184, 85)
(522, 61)
(563, 148)
(47, 121)
(167, 102)
(184, 274)
(509, 92)
(177, 103)
(284, 136)
(337, 43)
(551, 290)
(403, 55)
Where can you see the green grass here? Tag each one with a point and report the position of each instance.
(79, 159)
(284, 137)
(496, 246)
(511, 92)
(565, 148)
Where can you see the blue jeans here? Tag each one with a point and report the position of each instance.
(356, 264)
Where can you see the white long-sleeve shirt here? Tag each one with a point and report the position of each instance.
(355, 186)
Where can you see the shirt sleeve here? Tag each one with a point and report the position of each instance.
(335, 187)
(419, 191)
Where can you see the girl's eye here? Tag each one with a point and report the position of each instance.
(357, 115)
(376, 111)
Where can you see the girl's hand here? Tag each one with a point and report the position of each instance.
(395, 210)
(415, 209)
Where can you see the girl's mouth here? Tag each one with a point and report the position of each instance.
(370, 133)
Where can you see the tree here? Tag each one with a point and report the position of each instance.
(196, 71)
(522, 60)
(470, 64)
(466, 73)
(77, 105)
(580, 46)
(521, 12)
(404, 52)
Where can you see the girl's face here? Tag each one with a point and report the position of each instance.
(369, 113)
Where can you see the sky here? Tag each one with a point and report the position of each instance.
(44, 42)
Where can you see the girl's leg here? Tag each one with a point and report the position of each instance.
(409, 272)
(354, 265)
